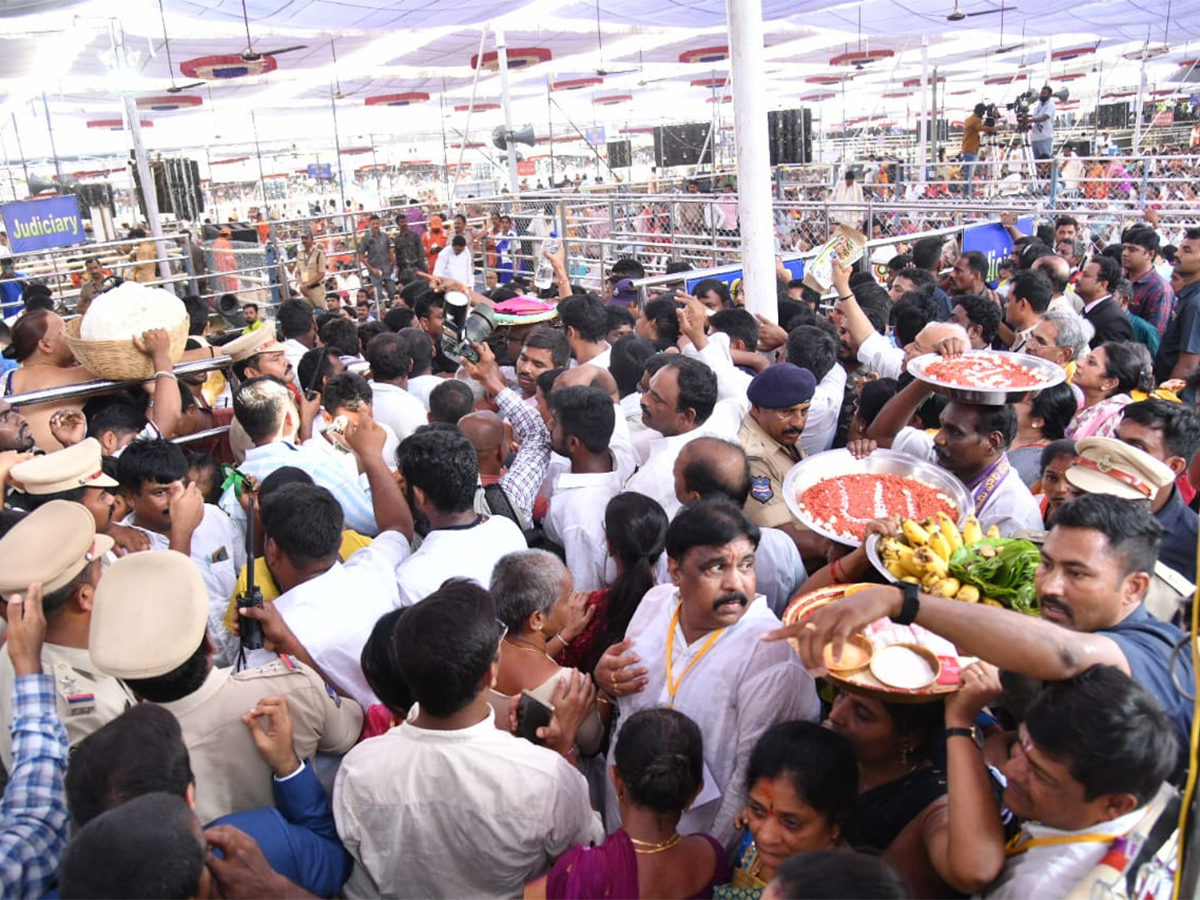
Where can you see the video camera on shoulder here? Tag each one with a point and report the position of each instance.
(464, 326)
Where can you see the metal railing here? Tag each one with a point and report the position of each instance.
(657, 228)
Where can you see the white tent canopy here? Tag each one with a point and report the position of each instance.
(654, 60)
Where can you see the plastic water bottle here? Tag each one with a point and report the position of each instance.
(544, 277)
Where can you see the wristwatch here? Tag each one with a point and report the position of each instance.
(973, 733)
(912, 604)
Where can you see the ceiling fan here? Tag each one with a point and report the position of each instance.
(174, 88)
(602, 72)
(251, 55)
(1003, 48)
(958, 15)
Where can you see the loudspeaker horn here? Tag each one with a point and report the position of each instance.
(1061, 95)
(502, 138)
(38, 185)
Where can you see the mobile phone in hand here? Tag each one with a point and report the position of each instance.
(532, 714)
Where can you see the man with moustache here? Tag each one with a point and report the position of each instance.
(696, 645)
(770, 434)
(1097, 564)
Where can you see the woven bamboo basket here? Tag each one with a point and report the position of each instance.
(119, 360)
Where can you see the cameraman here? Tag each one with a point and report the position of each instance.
(973, 127)
(1041, 138)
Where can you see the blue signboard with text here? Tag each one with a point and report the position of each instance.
(320, 171)
(795, 268)
(42, 224)
(994, 242)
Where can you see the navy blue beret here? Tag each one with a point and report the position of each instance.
(780, 386)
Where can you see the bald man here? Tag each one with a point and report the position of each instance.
(1058, 270)
(710, 467)
(492, 439)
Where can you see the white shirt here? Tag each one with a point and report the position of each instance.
(640, 435)
(333, 614)
(1043, 131)
(319, 443)
(475, 812)
(422, 386)
(656, 476)
(878, 355)
(457, 553)
(736, 691)
(398, 409)
(219, 552)
(575, 520)
(1011, 507)
(826, 406)
(293, 352)
(454, 265)
(1055, 870)
(780, 570)
(601, 360)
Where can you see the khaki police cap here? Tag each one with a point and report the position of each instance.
(260, 340)
(64, 470)
(51, 545)
(1108, 466)
(149, 615)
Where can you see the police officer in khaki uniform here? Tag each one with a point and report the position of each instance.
(57, 545)
(149, 628)
(75, 473)
(770, 435)
(1110, 466)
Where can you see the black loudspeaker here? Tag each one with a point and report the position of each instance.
(790, 133)
(943, 131)
(682, 145)
(94, 195)
(176, 187)
(1112, 115)
(619, 155)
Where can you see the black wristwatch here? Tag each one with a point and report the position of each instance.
(972, 733)
(912, 603)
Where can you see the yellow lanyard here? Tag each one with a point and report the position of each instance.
(1016, 846)
(673, 685)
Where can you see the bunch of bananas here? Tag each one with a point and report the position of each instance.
(922, 556)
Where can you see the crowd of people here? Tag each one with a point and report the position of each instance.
(445, 617)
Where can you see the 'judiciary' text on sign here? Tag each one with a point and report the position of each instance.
(41, 224)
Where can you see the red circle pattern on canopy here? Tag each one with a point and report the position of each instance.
(396, 99)
(861, 57)
(518, 58)
(704, 55)
(574, 84)
(612, 99)
(116, 124)
(212, 68)
(168, 102)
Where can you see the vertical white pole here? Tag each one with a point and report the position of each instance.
(514, 183)
(753, 157)
(923, 120)
(133, 123)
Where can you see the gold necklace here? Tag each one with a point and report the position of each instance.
(517, 646)
(646, 848)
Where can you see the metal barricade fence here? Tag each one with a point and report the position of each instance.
(658, 228)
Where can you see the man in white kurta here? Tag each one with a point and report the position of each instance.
(705, 658)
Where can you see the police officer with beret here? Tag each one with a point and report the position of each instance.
(779, 400)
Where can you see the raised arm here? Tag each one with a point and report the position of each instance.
(1010, 640)
(367, 438)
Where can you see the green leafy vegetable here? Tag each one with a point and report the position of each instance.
(1003, 569)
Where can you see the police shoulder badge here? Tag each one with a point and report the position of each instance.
(760, 489)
